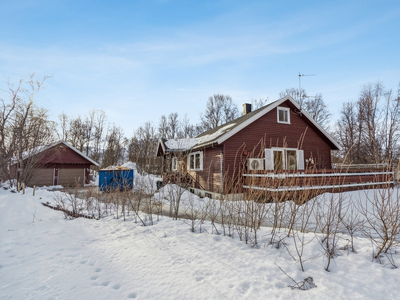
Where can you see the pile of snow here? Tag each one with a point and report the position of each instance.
(142, 180)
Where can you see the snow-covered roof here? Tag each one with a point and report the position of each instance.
(28, 153)
(222, 133)
(204, 139)
(40, 149)
(181, 144)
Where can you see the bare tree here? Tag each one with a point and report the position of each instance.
(258, 103)
(24, 126)
(187, 129)
(347, 131)
(368, 130)
(76, 136)
(220, 109)
(318, 110)
(114, 151)
(296, 94)
(142, 148)
(64, 124)
(370, 114)
(9, 103)
(315, 105)
(98, 135)
(390, 129)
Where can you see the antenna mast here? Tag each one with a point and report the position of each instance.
(301, 94)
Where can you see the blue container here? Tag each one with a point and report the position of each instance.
(115, 179)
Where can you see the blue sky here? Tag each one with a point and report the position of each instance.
(137, 60)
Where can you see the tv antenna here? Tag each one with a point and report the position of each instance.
(301, 94)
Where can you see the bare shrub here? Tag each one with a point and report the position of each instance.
(213, 211)
(351, 222)
(328, 222)
(382, 215)
(192, 212)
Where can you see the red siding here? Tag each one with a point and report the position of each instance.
(266, 132)
(61, 154)
(210, 178)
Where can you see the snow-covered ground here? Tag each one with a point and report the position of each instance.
(45, 256)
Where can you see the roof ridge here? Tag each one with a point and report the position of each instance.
(243, 117)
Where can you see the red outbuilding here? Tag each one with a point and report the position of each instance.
(56, 164)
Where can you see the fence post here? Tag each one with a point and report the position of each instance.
(34, 188)
(23, 188)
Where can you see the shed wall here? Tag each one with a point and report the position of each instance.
(71, 176)
(41, 177)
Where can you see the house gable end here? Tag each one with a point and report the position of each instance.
(288, 102)
(61, 154)
(266, 132)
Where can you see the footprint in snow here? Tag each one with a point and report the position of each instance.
(279, 285)
(41, 288)
(132, 295)
(217, 238)
(94, 277)
(83, 262)
(244, 287)
(106, 283)
(97, 270)
(116, 286)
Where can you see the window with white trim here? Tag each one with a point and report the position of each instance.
(283, 115)
(174, 164)
(284, 159)
(195, 161)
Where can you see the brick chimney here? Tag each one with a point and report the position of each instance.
(246, 108)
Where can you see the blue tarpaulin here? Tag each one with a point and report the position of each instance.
(115, 179)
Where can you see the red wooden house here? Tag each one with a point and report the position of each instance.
(279, 137)
(56, 164)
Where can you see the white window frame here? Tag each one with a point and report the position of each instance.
(269, 165)
(287, 109)
(194, 158)
(174, 163)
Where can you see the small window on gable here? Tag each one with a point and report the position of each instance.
(283, 115)
(195, 161)
(174, 163)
